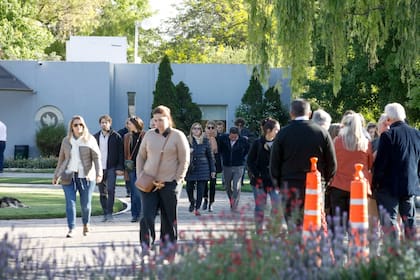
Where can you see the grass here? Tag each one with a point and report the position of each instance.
(44, 203)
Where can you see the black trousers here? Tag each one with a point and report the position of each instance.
(212, 190)
(166, 199)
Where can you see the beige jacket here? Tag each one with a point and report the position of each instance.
(175, 159)
(90, 156)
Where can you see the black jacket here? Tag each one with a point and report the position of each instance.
(397, 163)
(232, 155)
(293, 147)
(258, 162)
(115, 150)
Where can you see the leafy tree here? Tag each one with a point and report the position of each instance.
(186, 112)
(207, 31)
(273, 107)
(165, 91)
(22, 36)
(294, 26)
(251, 107)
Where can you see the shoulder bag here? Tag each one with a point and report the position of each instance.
(129, 163)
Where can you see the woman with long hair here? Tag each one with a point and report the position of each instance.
(201, 167)
(78, 169)
(351, 147)
(165, 155)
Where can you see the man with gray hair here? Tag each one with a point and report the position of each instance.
(396, 172)
(322, 118)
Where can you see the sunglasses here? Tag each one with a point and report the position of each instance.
(210, 127)
(78, 124)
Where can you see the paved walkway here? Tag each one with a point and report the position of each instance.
(49, 234)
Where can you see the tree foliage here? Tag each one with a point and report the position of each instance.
(184, 112)
(48, 139)
(207, 31)
(273, 107)
(293, 25)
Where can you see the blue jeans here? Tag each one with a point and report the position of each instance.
(260, 197)
(85, 189)
(135, 196)
(107, 191)
(393, 205)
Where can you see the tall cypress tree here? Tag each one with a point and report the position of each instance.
(164, 93)
(186, 111)
(273, 106)
(251, 108)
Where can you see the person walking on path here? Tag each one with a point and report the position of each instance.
(233, 149)
(174, 160)
(3, 139)
(294, 145)
(111, 147)
(201, 168)
(396, 173)
(132, 142)
(78, 169)
(259, 173)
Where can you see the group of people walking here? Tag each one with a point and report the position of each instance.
(277, 164)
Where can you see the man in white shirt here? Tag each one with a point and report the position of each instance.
(3, 138)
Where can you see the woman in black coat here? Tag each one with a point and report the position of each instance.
(202, 166)
(258, 170)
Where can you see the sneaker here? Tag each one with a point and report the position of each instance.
(210, 208)
(197, 213)
(134, 220)
(205, 204)
(110, 218)
(104, 219)
(69, 234)
(191, 207)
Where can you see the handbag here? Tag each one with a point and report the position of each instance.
(145, 182)
(129, 163)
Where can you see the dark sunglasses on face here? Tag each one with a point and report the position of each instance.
(78, 124)
(210, 127)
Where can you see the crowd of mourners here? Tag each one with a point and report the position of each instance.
(276, 163)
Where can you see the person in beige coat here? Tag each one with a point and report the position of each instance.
(78, 169)
(169, 173)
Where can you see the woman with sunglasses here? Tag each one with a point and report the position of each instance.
(78, 169)
(211, 134)
(201, 167)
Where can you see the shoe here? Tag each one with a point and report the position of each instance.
(205, 204)
(210, 208)
(191, 207)
(104, 219)
(110, 219)
(69, 234)
(128, 195)
(197, 213)
(85, 230)
(134, 220)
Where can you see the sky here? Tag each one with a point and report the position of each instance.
(164, 9)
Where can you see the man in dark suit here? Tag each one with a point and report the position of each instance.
(111, 147)
(290, 157)
(396, 172)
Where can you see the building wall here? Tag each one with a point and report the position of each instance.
(92, 89)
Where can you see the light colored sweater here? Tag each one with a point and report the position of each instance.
(175, 159)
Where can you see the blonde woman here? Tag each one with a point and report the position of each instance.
(78, 169)
(201, 167)
(351, 147)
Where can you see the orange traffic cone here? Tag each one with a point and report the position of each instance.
(358, 216)
(313, 202)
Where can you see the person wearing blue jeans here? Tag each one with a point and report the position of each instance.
(78, 169)
(135, 197)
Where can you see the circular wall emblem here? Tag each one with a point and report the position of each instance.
(48, 116)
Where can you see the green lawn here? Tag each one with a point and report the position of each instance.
(44, 203)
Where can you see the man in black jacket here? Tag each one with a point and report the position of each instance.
(396, 172)
(290, 157)
(233, 150)
(111, 147)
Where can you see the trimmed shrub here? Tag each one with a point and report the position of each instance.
(48, 139)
